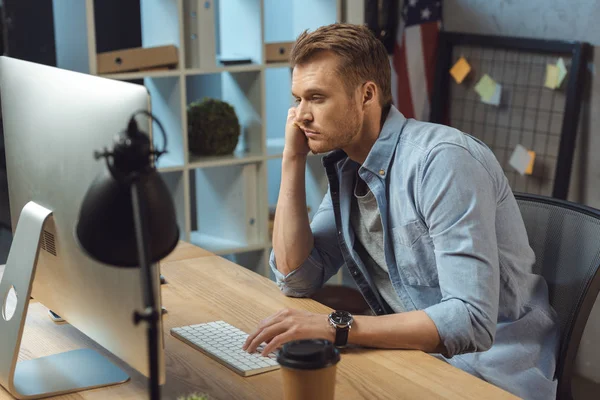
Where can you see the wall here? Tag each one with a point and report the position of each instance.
(553, 19)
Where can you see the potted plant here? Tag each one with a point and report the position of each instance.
(213, 127)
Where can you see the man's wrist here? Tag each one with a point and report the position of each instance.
(330, 331)
(289, 155)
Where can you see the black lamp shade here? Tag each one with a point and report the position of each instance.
(105, 229)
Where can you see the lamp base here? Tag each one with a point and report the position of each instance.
(67, 372)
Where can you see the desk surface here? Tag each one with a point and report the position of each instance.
(203, 287)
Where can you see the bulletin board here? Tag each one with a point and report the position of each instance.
(540, 119)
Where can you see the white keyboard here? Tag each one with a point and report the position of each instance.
(223, 342)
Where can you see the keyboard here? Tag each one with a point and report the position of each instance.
(223, 342)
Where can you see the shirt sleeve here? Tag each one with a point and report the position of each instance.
(324, 260)
(458, 202)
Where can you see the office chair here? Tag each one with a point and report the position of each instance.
(565, 238)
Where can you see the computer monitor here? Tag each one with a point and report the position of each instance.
(53, 121)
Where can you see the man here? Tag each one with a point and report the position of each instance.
(421, 215)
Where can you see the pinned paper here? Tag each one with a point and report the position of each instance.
(486, 87)
(529, 169)
(562, 71)
(551, 76)
(496, 97)
(522, 160)
(555, 74)
(460, 70)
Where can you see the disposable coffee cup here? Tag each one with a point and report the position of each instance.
(308, 369)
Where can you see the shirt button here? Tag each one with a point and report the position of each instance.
(339, 232)
(381, 172)
(355, 272)
(379, 310)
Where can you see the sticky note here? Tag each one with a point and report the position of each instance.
(522, 160)
(460, 70)
(551, 76)
(486, 87)
(496, 97)
(562, 72)
(529, 169)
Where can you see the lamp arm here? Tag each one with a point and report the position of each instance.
(151, 313)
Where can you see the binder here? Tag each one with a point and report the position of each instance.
(136, 59)
(200, 43)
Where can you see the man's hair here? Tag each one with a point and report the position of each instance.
(361, 56)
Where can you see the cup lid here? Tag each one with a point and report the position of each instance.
(308, 354)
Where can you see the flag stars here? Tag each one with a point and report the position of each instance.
(413, 3)
(425, 14)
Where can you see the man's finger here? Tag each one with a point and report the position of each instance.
(278, 341)
(266, 334)
(263, 324)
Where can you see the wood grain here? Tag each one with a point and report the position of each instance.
(203, 287)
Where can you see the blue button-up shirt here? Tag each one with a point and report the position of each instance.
(455, 246)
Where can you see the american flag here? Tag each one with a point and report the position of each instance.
(413, 60)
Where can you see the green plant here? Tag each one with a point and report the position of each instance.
(194, 396)
(213, 127)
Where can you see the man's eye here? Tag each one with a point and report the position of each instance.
(296, 101)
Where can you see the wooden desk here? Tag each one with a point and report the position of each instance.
(202, 287)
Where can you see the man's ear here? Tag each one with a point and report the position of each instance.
(370, 94)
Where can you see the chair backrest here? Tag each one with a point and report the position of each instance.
(565, 238)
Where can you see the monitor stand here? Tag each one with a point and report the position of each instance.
(51, 375)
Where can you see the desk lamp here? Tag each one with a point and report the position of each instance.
(127, 219)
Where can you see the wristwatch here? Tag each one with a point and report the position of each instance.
(342, 322)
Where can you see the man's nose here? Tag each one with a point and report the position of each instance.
(303, 113)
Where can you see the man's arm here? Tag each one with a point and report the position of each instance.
(304, 254)
(410, 330)
(292, 237)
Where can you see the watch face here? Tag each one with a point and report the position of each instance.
(341, 317)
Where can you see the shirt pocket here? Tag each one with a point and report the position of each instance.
(415, 257)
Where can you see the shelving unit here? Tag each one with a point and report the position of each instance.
(222, 203)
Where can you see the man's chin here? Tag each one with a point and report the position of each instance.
(319, 148)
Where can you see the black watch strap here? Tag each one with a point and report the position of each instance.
(341, 336)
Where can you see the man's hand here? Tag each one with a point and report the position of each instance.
(288, 325)
(296, 142)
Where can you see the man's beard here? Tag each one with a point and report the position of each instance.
(329, 141)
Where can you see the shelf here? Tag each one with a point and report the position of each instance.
(224, 68)
(165, 94)
(219, 161)
(130, 76)
(222, 202)
(221, 246)
(225, 210)
(175, 168)
(243, 91)
(175, 181)
(285, 20)
(278, 65)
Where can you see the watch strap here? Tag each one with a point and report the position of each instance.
(341, 336)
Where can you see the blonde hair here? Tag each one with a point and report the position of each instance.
(362, 57)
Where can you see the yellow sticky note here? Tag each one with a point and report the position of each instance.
(529, 169)
(460, 70)
(551, 76)
(562, 72)
(486, 87)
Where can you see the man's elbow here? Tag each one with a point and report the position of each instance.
(296, 292)
(484, 334)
